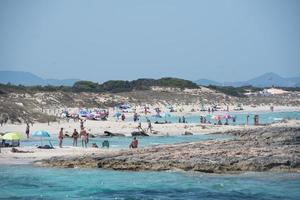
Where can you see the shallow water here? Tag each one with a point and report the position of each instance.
(123, 142)
(241, 118)
(27, 182)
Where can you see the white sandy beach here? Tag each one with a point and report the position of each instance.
(7, 157)
(98, 127)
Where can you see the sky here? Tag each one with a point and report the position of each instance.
(101, 40)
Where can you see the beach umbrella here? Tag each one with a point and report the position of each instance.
(41, 134)
(11, 136)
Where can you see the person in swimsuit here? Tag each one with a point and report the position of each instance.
(75, 137)
(134, 143)
(83, 136)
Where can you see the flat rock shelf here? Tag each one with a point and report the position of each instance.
(262, 149)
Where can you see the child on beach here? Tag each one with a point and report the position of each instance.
(134, 143)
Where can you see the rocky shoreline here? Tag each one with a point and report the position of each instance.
(261, 149)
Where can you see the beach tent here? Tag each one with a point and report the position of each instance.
(41, 134)
(12, 136)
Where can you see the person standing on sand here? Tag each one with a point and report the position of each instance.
(123, 116)
(81, 123)
(135, 117)
(140, 127)
(134, 144)
(83, 137)
(149, 126)
(60, 137)
(27, 130)
(75, 137)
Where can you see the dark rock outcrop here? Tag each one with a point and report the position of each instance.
(110, 134)
(262, 149)
(139, 133)
(187, 133)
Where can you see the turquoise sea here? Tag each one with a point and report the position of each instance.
(241, 118)
(123, 142)
(27, 182)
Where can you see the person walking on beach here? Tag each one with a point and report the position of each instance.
(60, 137)
(140, 127)
(83, 137)
(248, 119)
(75, 137)
(149, 126)
(81, 123)
(134, 144)
(135, 117)
(123, 116)
(27, 130)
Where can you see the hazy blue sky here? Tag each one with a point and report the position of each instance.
(225, 40)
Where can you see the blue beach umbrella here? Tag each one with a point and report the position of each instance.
(41, 134)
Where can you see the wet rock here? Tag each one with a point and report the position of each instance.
(187, 133)
(262, 149)
(110, 134)
(139, 133)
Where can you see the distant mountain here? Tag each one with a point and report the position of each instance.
(29, 79)
(265, 80)
(207, 82)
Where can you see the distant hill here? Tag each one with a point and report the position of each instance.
(29, 79)
(265, 80)
(207, 82)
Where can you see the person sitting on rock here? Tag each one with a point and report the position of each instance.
(134, 143)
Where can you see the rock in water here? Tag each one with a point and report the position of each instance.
(261, 149)
(139, 133)
(107, 133)
(187, 133)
